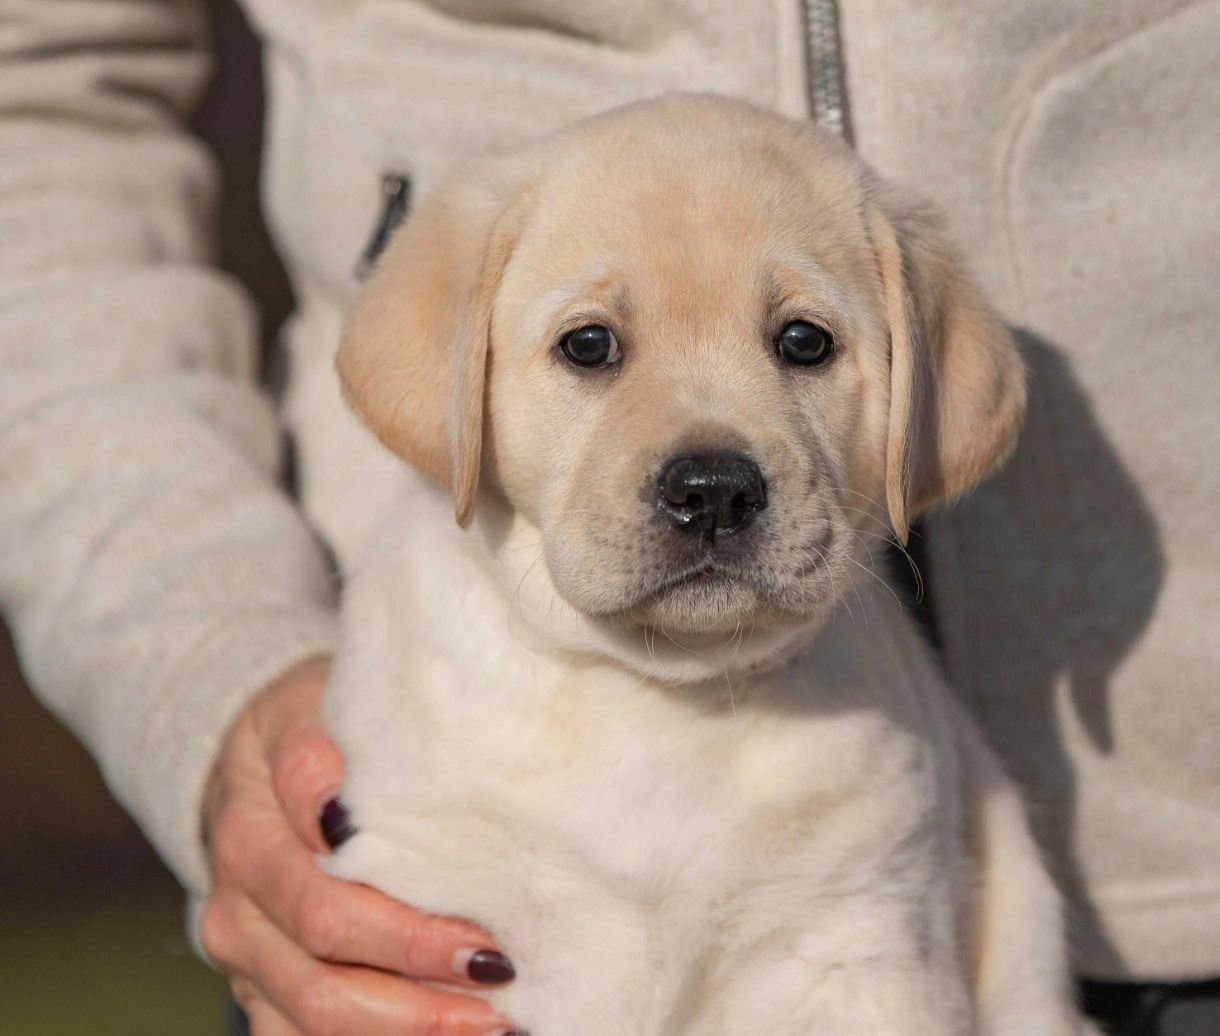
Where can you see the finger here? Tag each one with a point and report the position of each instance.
(265, 1020)
(323, 999)
(306, 772)
(347, 923)
(306, 765)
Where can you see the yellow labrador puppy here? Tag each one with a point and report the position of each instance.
(638, 710)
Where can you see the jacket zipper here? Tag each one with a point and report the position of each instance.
(824, 81)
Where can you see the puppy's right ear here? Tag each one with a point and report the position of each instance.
(413, 357)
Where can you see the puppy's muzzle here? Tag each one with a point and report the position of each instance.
(712, 494)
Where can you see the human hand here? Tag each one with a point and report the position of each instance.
(309, 954)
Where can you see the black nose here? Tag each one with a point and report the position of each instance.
(713, 493)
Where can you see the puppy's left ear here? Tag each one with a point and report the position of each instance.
(413, 359)
(957, 384)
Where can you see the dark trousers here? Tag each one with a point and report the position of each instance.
(1123, 1009)
(1168, 1009)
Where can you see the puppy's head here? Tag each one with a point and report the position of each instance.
(703, 350)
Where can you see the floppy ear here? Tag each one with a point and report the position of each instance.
(413, 359)
(957, 384)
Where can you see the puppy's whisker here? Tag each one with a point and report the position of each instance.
(855, 587)
(516, 598)
(893, 543)
(867, 514)
(857, 537)
(829, 568)
(650, 642)
(883, 537)
(680, 647)
(863, 496)
(741, 636)
(889, 589)
(919, 583)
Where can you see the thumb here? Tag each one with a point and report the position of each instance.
(306, 766)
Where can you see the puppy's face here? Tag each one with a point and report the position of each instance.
(689, 383)
(701, 358)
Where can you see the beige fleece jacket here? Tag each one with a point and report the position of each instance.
(155, 577)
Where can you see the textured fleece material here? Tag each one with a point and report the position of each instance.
(155, 577)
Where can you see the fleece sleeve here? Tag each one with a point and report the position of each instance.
(153, 574)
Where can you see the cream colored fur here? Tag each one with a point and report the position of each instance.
(739, 804)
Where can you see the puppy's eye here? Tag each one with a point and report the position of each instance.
(592, 346)
(804, 344)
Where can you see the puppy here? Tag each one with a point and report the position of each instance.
(644, 710)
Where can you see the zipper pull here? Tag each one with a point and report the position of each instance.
(396, 191)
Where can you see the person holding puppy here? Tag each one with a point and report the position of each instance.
(175, 609)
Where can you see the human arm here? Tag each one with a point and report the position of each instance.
(152, 572)
(155, 577)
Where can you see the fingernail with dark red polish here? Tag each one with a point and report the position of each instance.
(336, 824)
(490, 967)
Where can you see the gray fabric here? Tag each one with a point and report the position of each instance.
(153, 574)
(1078, 593)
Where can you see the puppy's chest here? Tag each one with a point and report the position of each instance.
(591, 773)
